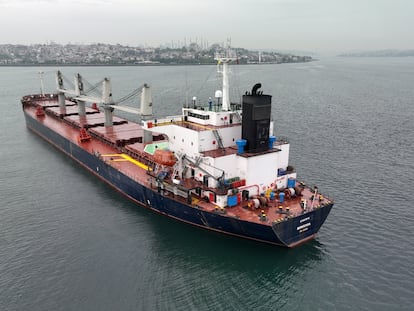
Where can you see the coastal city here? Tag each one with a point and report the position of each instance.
(117, 54)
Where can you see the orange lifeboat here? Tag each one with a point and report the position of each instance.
(164, 157)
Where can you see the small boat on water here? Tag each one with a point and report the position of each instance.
(217, 165)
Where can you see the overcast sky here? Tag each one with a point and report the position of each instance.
(308, 25)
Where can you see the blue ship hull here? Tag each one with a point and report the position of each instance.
(290, 232)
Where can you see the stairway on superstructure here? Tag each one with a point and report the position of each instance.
(218, 138)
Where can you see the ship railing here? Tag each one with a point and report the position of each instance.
(102, 138)
(281, 140)
(175, 190)
(216, 107)
(165, 121)
(124, 172)
(140, 157)
(39, 97)
(327, 195)
(132, 176)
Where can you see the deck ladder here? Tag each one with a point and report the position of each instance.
(218, 138)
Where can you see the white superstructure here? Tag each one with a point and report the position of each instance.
(205, 139)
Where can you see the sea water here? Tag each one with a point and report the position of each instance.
(70, 242)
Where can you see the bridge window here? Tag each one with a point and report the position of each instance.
(198, 116)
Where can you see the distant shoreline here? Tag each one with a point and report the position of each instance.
(140, 65)
(118, 55)
(380, 53)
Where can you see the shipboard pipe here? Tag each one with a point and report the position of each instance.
(255, 88)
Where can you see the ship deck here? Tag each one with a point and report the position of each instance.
(121, 145)
(191, 125)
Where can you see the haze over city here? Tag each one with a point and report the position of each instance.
(307, 25)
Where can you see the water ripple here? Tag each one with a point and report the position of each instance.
(71, 243)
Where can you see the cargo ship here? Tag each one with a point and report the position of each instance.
(217, 165)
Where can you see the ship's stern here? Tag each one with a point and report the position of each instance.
(293, 231)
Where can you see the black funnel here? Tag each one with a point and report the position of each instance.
(256, 119)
